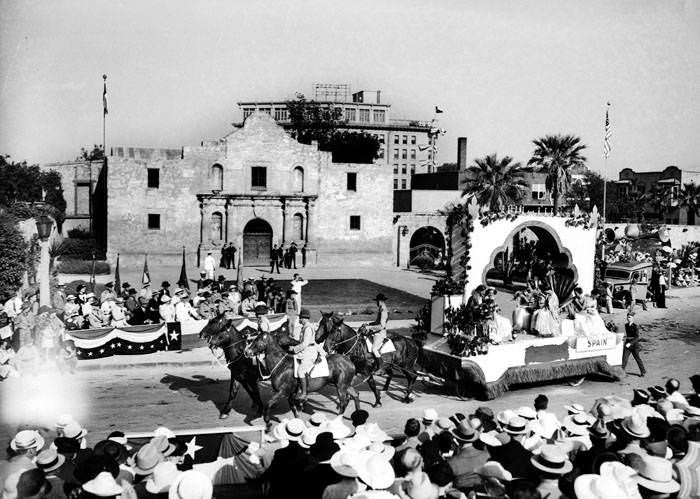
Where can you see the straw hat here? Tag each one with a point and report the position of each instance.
(308, 438)
(491, 438)
(317, 419)
(356, 442)
(598, 487)
(504, 416)
(336, 426)
(146, 459)
(656, 473)
(161, 443)
(551, 460)
(289, 429)
(345, 462)
(465, 432)
(635, 426)
(191, 484)
(62, 421)
(430, 416)
(575, 408)
(164, 474)
(516, 426)
(375, 471)
(386, 451)
(373, 432)
(74, 430)
(444, 424)
(103, 485)
(578, 424)
(526, 412)
(27, 439)
(494, 469)
(49, 460)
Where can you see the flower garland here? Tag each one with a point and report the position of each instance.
(465, 329)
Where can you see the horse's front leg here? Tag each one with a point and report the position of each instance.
(410, 381)
(270, 404)
(232, 392)
(373, 386)
(389, 375)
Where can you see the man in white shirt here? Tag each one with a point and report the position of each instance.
(209, 266)
(674, 394)
(297, 283)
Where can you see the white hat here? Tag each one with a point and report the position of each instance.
(504, 416)
(375, 471)
(575, 408)
(74, 430)
(373, 432)
(289, 429)
(317, 419)
(578, 423)
(27, 439)
(163, 431)
(49, 460)
(309, 437)
(656, 473)
(635, 426)
(336, 426)
(386, 451)
(164, 474)
(345, 462)
(191, 484)
(552, 460)
(598, 487)
(103, 485)
(526, 412)
(356, 443)
(63, 420)
(164, 299)
(430, 415)
(494, 469)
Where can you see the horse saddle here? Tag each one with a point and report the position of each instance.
(319, 370)
(387, 346)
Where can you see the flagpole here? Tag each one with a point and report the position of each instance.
(104, 117)
(606, 152)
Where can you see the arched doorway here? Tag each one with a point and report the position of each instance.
(257, 242)
(427, 246)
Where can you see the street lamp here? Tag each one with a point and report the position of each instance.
(44, 226)
(401, 231)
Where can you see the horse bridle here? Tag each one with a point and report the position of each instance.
(356, 336)
(228, 347)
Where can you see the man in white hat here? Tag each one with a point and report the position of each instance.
(166, 309)
(551, 464)
(305, 353)
(465, 462)
(377, 475)
(25, 445)
(345, 464)
(429, 418)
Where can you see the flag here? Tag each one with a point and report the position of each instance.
(131, 340)
(438, 110)
(608, 134)
(92, 276)
(239, 272)
(117, 278)
(183, 282)
(423, 147)
(146, 278)
(104, 95)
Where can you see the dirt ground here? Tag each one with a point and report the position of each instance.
(189, 397)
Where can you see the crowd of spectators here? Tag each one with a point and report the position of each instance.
(644, 447)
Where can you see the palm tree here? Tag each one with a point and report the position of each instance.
(689, 199)
(557, 155)
(495, 183)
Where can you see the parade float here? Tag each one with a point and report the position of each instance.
(505, 317)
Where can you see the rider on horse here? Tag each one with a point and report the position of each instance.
(377, 329)
(306, 352)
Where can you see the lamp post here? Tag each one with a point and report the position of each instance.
(44, 225)
(401, 231)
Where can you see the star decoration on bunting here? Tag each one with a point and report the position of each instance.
(112, 345)
(129, 347)
(141, 347)
(192, 447)
(89, 354)
(102, 350)
(173, 335)
(119, 344)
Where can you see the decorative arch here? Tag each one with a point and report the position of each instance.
(298, 179)
(426, 242)
(217, 177)
(525, 253)
(257, 242)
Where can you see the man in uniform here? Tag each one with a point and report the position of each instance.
(274, 259)
(632, 344)
(305, 353)
(378, 329)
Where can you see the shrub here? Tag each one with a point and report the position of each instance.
(79, 233)
(77, 266)
(80, 249)
(13, 257)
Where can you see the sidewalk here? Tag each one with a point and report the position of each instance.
(194, 353)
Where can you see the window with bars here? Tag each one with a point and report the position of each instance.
(258, 178)
(281, 114)
(379, 115)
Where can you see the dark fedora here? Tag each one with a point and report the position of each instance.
(261, 309)
(111, 449)
(324, 447)
(66, 445)
(305, 314)
(465, 432)
(359, 417)
(657, 392)
(640, 397)
(165, 284)
(380, 297)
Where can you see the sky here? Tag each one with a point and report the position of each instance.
(504, 71)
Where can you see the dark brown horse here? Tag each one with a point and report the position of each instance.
(219, 332)
(280, 370)
(341, 338)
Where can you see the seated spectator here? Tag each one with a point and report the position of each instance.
(166, 309)
(119, 313)
(92, 311)
(468, 458)
(674, 395)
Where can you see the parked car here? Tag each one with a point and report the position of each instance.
(629, 279)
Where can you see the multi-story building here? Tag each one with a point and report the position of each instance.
(667, 183)
(536, 198)
(406, 146)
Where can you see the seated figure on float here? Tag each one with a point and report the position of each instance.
(499, 328)
(545, 320)
(589, 322)
(522, 315)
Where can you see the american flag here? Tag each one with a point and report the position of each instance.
(104, 95)
(608, 134)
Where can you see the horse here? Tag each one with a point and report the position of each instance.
(338, 337)
(219, 332)
(280, 366)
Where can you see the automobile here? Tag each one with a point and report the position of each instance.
(629, 279)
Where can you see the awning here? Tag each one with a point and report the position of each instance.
(668, 181)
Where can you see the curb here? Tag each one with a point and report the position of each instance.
(164, 363)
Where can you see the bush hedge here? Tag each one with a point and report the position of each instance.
(80, 249)
(13, 257)
(78, 266)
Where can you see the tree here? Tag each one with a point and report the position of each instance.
(495, 183)
(689, 199)
(557, 155)
(322, 122)
(96, 153)
(14, 253)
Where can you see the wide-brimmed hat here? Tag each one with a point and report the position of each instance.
(375, 471)
(575, 408)
(465, 432)
(373, 432)
(444, 424)
(492, 438)
(304, 313)
(324, 447)
(657, 392)
(289, 429)
(526, 412)
(599, 430)
(504, 416)
(163, 445)
(386, 451)
(164, 474)
(50, 460)
(656, 473)
(356, 442)
(191, 484)
(74, 430)
(640, 397)
(494, 469)
(345, 462)
(635, 426)
(317, 419)
(430, 416)
(66, 445)
(103, 485)
(589, 486)
(380, 297)
(308, 438)
(112, 449)
(62, 421)
(165, 298)
(336, 426)
(578, 424)
(119, 437)
(551, 459)
(516, 426)
(146, 459)
(27, 439)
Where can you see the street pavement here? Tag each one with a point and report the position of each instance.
(180, 395)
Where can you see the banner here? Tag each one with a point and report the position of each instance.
(130, 340)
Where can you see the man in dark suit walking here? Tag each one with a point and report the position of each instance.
(274, 259)
(632, 344)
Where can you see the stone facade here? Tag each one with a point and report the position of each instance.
(255, 187)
